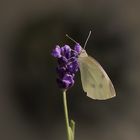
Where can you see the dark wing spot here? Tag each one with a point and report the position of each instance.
(93, 86)
(102, 76)
(100, 85)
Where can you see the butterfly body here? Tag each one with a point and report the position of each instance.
(95, 81)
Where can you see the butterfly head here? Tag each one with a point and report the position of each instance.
(78, 49)
(83, 53)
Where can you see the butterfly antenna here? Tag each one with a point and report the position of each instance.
(71, 38)
(87, 39)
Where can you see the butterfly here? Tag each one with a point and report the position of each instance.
(95, 81)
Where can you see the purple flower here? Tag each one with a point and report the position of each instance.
(62, 60)
(67, 59)
(56, 52)
(66, 51)
(78, 48)
(73, 67)
(66, 82)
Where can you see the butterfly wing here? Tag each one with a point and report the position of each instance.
(94, 79)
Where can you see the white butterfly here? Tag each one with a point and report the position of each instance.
(95, 81)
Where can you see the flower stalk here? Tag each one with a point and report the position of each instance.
(70, 125)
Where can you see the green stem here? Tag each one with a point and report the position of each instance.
(66, 115)
(72, 126)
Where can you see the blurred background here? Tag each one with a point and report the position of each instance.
(31, 106)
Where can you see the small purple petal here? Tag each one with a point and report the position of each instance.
(61, 71)
(63, 60)
(72, 59)
(74, 54)
(66, 82)
(68, 79)
(73, 67)
(66, 48)
(56, 52)
(66, 51)
(78, 48)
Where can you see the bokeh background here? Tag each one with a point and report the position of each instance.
(31, 106)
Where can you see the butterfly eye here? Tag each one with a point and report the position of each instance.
(93, 86)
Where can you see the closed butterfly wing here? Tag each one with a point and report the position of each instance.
(95, 81)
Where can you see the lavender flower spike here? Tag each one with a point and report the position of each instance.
(67, 59)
